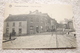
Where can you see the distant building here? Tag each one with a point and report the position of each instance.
(53, 24)
(32, 23)
(70, 25)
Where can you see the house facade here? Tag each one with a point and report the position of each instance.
(12, 25)
(32, 23)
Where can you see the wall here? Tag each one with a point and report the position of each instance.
(16, 27)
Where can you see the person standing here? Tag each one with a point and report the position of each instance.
(10, 36)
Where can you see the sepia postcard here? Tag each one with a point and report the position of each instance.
(30, 26)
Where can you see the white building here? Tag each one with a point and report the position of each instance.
(15, 24)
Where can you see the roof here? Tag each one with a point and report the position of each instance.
(22, 17)
(15, 18)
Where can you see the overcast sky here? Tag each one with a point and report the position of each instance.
(57, 11)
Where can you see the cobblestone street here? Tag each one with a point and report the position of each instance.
(42, 41)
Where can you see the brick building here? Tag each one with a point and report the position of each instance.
(32, 23)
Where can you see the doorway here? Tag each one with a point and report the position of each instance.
(20, 31)
(37, 29)
(13, 32)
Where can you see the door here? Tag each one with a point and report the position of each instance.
(13, 32)
(37, 29)
(20, 31)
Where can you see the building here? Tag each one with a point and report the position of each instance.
(70, 25)
(15, 23)
(32, 23)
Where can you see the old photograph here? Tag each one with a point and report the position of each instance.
(39, 26)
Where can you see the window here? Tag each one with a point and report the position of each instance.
(31, 20)
(13, 24)
(13, 30)
(31, 27)
(19, 23)
(7, 24)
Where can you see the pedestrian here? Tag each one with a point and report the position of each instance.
(15, 33)
(10, 36)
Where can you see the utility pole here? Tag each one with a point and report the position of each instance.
(56, 37)
(52, 30)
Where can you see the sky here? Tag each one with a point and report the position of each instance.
(58, 12)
